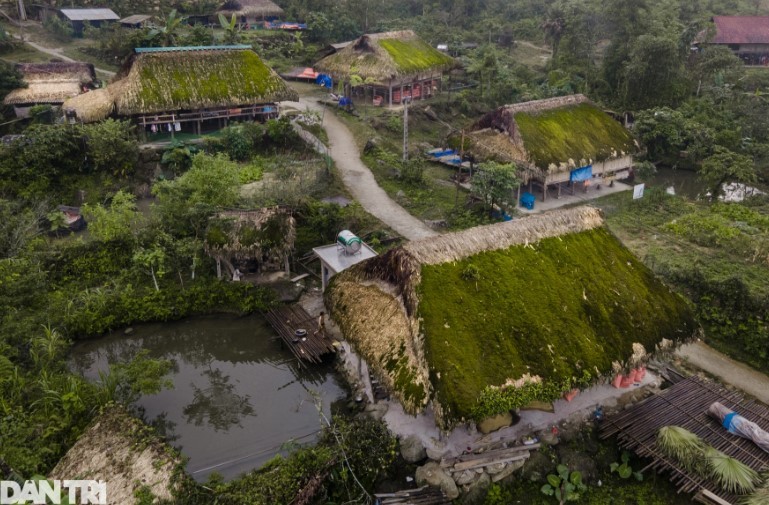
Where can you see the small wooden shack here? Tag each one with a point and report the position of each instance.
(187, 89)
(394, 66)
(94, 17)
(136, 21)
(556, 143)
(49, 83)
(251, 240)
(250, 11)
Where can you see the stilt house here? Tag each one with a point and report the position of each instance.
(557, 143)
(250, 11)
(50, 83)
(187, 89)
(393, 65)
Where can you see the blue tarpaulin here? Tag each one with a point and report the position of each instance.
(581, 174)
(345, 101)
(324, 80)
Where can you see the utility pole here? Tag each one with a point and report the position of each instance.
(406, 101)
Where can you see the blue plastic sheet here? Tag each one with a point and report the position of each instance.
(581, 174)
(324, 80)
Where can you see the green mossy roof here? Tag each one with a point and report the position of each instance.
(412, 56)
(161, 82)
(552, 309)
(573, 132)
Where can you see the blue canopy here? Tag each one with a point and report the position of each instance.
(581, 174)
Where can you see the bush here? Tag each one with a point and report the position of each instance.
(60, 29)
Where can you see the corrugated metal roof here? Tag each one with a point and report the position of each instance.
(741, 30)
(89, 14)
(189, 48)
(136, 18)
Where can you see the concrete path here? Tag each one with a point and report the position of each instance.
(56, 53)
(579, 197)
(729, 371)
(359, 179)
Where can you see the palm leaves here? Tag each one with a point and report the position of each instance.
(760, 496)
(693, 454)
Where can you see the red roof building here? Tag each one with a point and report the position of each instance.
(747, 36)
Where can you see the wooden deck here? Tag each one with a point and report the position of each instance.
(310, 348)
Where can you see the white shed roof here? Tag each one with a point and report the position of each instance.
(336, 259)
(89, 14)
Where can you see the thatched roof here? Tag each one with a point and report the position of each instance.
(51, 82)
(249, 234)
(118, 449)
(160, 80)
(554, 295)
(92, 106)
(551, 135)
(250, 8)
(385, 56)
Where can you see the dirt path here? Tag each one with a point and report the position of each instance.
(729, 371)
(359, 179)
(56, 53)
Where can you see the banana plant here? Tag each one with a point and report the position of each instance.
(231, 29)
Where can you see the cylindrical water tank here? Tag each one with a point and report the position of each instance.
(349, 241)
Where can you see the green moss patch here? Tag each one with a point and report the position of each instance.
(574, 132)
(557, 309)
(414, 55)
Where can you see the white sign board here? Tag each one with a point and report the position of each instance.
(638, 191)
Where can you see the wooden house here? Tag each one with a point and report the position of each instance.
(250, 11)
(746, 36)
(94, 17)
(251, 241)
(50, 83)
(393, 65)
(188, 89)
(556, 143)
(464, 321)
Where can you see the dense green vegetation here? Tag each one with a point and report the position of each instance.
(566, 308)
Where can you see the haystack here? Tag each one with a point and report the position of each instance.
(91, 107)
(51, 83)
(250, 9)
(383, 57)
(118, 449)
(552, 300)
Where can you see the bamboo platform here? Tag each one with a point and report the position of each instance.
(311, 348)
(686, 404)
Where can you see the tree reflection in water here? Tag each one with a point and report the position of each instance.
(217, 405)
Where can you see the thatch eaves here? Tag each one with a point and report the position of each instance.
(552, 135)
(554, 295)
(250, 8)
(51, 83)
(382, 57)
(92, 106)
(250, 234)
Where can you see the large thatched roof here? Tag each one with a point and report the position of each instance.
(250, 8)
(120, 450)
(159, 80)
(553, 296)
(249, 234)
(51, 83)
(551, 135)
(385, 56)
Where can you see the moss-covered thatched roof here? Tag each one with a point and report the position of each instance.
(552, 135)
(92, 106)
(173, 79)
(249, 234)
(51, 83)
(120, 450)
(553, 296)
(250, 8)
(382, 57)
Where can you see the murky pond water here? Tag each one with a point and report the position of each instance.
(237, 395)
(685, 183)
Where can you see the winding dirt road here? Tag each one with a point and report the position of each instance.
(358, 178)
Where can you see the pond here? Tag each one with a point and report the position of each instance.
(237, 396)
(685, 183)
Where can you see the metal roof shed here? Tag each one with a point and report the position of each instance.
(101, 14)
